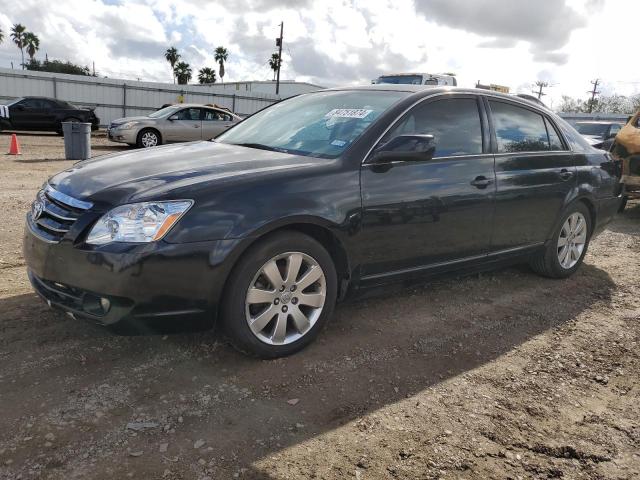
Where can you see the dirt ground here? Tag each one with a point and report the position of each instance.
(502, 375)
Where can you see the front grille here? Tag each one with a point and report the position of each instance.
(53, 213)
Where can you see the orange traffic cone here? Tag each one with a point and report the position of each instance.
(14, 147)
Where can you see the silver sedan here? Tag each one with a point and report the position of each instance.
(176, 123)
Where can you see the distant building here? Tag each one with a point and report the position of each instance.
(494, 87)
(288, 88)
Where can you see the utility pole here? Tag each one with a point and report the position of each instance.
(593, 93)
(279, 45)
(540, 84)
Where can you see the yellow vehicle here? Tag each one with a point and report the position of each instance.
(626, 149)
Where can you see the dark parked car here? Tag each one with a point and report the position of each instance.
(599, 134)
(43, 114)
(313, 199)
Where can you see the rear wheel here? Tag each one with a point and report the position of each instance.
(279, 296)
(568, 246)
(148, 138)
(623, 204)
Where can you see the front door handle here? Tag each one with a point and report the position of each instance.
(565, 174)
(481, 182)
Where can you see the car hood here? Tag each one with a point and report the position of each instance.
(119, 121)
(171, 170)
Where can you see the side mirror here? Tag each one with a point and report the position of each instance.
(413, 147)
(172, 118)
(19, 107)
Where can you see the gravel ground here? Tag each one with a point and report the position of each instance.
(503, 375)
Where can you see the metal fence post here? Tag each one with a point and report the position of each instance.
(233, 103)
(55, 87)
(124, 99)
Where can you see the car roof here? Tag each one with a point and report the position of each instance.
(202, 105)
(602, 122)
(427, 90)
(199, 105)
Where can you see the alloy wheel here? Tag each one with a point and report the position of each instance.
(285, 298)
(149, 139)
(572, 240)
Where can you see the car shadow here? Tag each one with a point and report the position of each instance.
(627, 221)
(29, 133)
(375, 352)
(114, 147)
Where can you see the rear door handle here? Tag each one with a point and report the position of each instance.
(481, 182)
(565, 174)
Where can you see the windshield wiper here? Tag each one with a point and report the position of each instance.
(262, 147)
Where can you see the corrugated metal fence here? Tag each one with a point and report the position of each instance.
(114, 98)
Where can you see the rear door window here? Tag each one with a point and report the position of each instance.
(519, 129)
(554, 139)
(454, 124)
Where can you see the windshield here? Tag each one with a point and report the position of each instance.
(163, 112)
(596, 129)
(402, 79)
(321, 124)
(12, 102)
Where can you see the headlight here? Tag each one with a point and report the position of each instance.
(138, 222)
(127, 126)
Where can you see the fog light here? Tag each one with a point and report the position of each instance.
(105, 304)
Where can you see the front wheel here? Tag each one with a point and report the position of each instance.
(148, 138)
(279, 296)
(565, 251)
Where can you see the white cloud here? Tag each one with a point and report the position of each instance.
(567, 42)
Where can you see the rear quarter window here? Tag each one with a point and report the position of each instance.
(576, 142)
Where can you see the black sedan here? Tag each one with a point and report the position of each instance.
(312, 200)
(43, 114)
(599, 134)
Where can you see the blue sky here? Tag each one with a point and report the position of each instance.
(514, 43)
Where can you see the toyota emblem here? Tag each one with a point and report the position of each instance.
(36, 210)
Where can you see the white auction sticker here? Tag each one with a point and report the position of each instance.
(348, 113)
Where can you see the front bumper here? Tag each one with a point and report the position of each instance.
(139, 281)
(123, 136)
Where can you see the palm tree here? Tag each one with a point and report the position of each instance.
(182, 71)
(32, 42)
(274, 63)
(221, 55)
(207, 75)
(17, 34)
(172, 56)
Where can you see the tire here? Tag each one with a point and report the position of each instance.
(239, 307)
(145, 138)
(623, 204)
(69, 119)
(548, 262)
